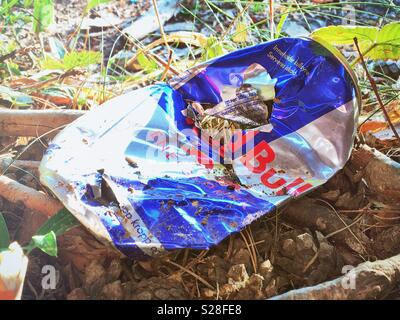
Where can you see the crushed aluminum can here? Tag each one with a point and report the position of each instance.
(185, 164)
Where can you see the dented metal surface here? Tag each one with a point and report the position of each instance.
(144, 173)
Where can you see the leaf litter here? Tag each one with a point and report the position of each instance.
(351, 221)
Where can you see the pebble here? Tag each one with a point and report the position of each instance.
(238, 273)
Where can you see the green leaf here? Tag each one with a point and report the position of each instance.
(4, 235)
(60, 223)
(47, 243)
(282, 21)
(43, 14)
(146, 64)
(79, 59)
(387, 44)
(9, 5)
(71, 60)
(51, 63)
(94, 3)
(345, 34)
(374, 43)
(213, 49)
(28, 3)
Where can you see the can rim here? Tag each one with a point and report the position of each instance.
(337, 54)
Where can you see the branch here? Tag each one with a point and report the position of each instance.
(33, 123)
(369, 280)
(381, 174)
(308, 213)
(14, 191)
(375, 89)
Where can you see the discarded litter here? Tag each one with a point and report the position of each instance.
(13, 265)
(185, 164)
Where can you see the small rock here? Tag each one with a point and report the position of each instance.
(77, 294)
(238, 273)
(242, 257)
(305, 241)
(176, 293)
(214, 268)
(266, 270)
(114, 270)
(94, 272)
(208, 293)
(316, 276)
(255, 282)
(157, 288)
(113, 291)
(282, 283)
(349, 201)
(144, 295)
(161, 294)
(252, 289)
(292, 266)
(325, 250)
(289, 247)
(95, 279)
(270, 290)
(226, 290)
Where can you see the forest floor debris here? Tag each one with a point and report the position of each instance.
(353, 220)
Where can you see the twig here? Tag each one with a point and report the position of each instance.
(308, 213)
(13, 53)
(252, 258)
(14, 191)
(234, 20)
(8, 56)
(31, 123)
(192, 274)
(19, 164)
(160, 25)
(139, 46)
(167, 67)
(369, 280)
(61, 77)
(375, 89)
(312, 260)
(346, 226)
(271, 19)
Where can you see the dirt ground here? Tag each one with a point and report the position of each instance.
(275, 254)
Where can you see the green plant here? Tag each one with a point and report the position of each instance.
(8, 68)
(94, 3)
(43, 14)
(4, 234)
(146, 64)
(71, 60)
(375, 43)
(45, 238)
(10, 13)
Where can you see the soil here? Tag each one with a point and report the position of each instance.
(271, 256)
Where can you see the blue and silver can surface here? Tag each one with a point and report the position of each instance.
(185, 164)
